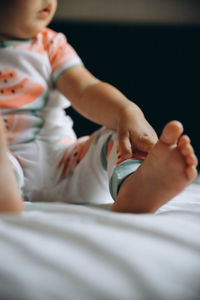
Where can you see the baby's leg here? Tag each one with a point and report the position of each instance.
(167, 170)
(10, 197)
(89, 168)
(80, 175)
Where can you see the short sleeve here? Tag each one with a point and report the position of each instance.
(61, 54)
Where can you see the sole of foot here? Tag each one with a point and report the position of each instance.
(167, 170)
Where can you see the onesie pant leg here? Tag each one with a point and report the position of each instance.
(91, 168)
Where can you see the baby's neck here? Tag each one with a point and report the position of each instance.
(5, 37)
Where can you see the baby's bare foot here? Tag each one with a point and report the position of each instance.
(10, 198)
(167, 170)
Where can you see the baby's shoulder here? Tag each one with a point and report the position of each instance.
(51, 38)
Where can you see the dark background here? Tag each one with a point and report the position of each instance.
(156, 66)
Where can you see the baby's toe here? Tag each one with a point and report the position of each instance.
(191, 160)
(187, 150)
(191, 172)
(184, 139)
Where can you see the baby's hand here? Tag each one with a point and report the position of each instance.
(135, 133)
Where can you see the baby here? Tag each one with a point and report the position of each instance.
(40, 156)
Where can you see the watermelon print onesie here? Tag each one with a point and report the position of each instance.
(50, 163)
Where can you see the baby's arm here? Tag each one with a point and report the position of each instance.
(104, 104)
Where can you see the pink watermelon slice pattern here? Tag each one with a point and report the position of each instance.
(74, 154)
(21, 128)
(16, 91)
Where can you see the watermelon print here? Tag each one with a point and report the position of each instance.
(28, 73)
(74, 155)
(55, 45)
(16, 91)
(21, 127)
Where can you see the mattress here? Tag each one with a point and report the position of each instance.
(60, 251)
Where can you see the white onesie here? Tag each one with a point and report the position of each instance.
(49, 162)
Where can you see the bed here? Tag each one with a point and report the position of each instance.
(60, 251)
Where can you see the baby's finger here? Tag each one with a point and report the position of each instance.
(124, 145)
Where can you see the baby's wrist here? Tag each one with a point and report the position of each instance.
(132, 110)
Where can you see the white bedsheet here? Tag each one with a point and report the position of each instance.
(63, 251)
